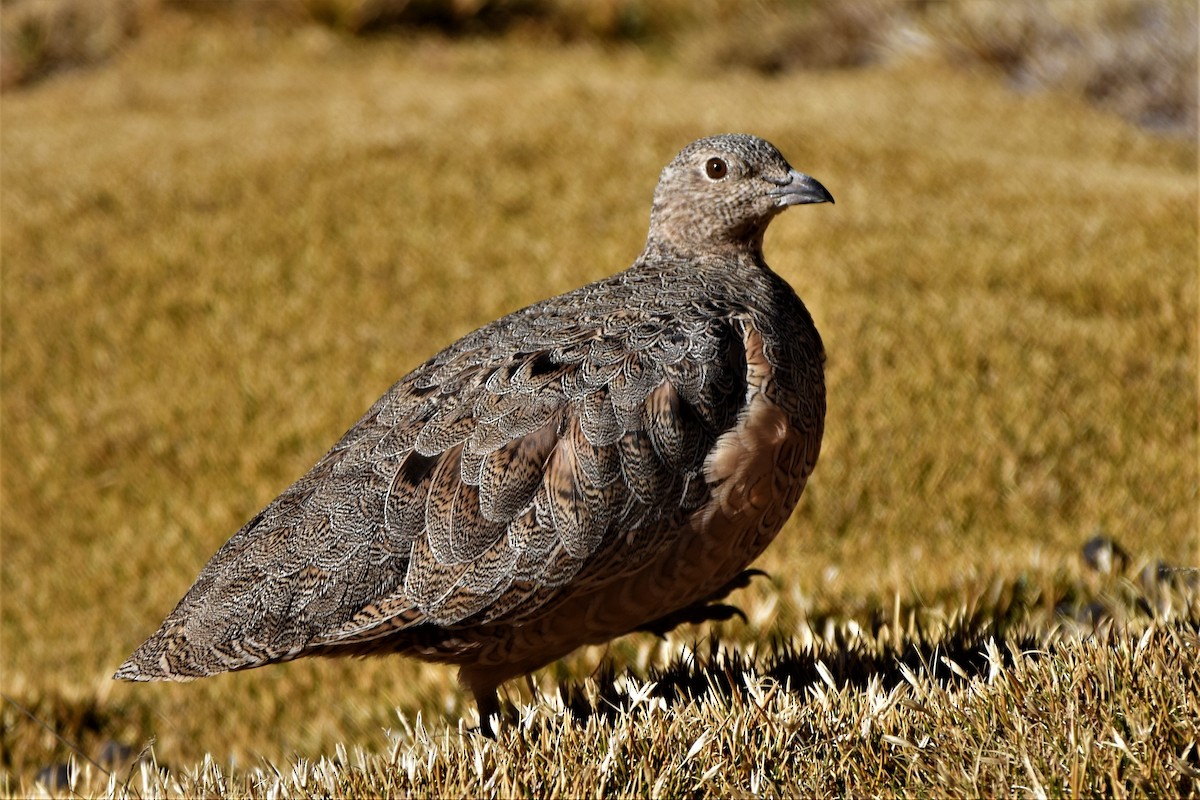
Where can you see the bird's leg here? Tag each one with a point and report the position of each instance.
(533, 690)
(489, 706)
(706, 609)
(486, 699)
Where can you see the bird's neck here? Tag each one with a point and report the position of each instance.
(668, 244)
(722, 261)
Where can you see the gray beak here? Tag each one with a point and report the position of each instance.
(798, 189)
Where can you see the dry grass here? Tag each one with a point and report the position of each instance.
(1110, 713)
(222, 246)
(961, 703)
(1135, 57)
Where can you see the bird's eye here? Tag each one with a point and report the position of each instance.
(716, 169)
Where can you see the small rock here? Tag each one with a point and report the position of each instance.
(1104, 555)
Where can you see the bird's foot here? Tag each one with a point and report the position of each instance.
(706, 609)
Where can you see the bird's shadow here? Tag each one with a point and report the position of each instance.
(711, 668)
(1014, 618)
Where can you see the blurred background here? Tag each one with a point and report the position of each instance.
(1134, 57)
(228, 227)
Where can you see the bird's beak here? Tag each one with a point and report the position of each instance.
(797, 189)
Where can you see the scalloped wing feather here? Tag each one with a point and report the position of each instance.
(471, 492)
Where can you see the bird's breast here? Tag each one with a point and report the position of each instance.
(756, 469)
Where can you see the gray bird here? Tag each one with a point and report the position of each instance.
(606, 461)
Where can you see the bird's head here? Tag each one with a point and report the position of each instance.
(720, 193)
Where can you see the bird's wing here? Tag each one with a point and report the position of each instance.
(528, 455)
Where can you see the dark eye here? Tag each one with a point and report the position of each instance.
(716, 169)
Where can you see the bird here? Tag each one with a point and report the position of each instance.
(606, 461)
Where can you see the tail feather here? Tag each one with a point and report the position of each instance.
(153, 661)
(169, 655)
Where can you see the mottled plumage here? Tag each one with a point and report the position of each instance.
(605, 461)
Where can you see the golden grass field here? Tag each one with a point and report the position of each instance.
(222, 245)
